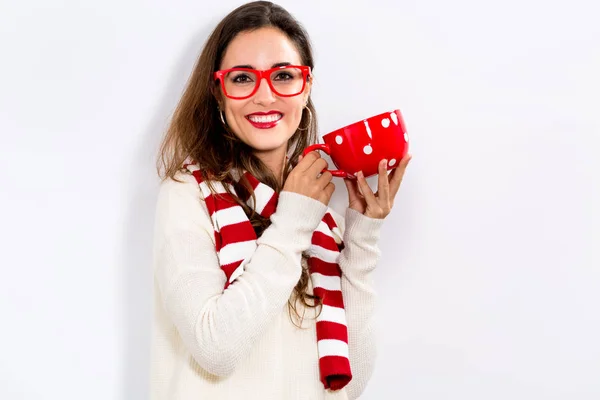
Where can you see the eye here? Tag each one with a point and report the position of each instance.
(283, 76)
(241, 78)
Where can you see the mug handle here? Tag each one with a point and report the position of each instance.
(325, 148)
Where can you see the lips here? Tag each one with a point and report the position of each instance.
(264, 120)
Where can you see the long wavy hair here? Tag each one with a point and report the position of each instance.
(196, 130)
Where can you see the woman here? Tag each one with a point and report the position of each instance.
(261, 290)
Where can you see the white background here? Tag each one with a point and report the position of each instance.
(490, 275)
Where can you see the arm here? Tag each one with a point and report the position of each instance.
(357, 261)
(220, 327)
(364, 216)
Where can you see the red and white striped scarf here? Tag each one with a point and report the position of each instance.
(235, 241)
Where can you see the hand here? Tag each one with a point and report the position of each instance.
(376, 205)
(306, 178)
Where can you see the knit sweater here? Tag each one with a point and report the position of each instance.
(242, 343)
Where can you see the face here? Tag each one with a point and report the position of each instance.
(262, 49)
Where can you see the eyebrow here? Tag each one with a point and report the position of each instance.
(280, 64)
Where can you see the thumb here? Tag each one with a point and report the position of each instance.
(351, 186)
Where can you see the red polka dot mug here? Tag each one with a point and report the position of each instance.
(361, 145)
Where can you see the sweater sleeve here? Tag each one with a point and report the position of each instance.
(218, 326)
(357, 261)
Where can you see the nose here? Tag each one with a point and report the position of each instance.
(264, 95)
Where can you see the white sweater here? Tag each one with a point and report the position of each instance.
(241, 343)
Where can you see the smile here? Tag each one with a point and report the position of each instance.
(267, 121)
(264, 118)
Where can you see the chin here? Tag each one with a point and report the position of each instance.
(266, 148)
(263, 144)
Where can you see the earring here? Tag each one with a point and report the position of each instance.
(309, 120)
(227, 132)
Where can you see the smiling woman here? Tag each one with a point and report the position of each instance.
(261, 290)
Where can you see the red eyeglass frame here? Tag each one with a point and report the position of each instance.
(266, 74)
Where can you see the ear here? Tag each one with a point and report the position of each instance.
(308, 88)
(219, 101)
(218, 95)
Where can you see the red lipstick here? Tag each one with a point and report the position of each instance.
(263, 121)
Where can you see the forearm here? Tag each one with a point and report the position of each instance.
(357, 261)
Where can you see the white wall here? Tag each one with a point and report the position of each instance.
(490, 276)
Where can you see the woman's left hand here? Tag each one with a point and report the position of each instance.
(379, 204)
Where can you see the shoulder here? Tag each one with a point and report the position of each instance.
(180, 205)
(183, 189)
(182, 184)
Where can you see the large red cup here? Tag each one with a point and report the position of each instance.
(361, 145)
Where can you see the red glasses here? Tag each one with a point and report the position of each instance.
(285, 81)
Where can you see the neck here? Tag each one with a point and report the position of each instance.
(275, 161)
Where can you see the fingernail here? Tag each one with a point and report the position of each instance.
(384, 162)
(359, 174)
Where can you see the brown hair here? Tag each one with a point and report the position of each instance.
(196, 130)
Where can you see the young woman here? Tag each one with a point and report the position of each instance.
(261, 290)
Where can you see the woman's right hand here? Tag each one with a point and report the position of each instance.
(304, 178)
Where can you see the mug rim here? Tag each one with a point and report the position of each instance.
(362, 121)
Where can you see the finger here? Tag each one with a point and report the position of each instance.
(397, 175)
(353, 194)
(383, 185)
(324, 179)
(366, 189)
(316, 167)
(327, 193)
(306, 161)
(330, 188)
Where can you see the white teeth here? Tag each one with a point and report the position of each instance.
(265, 118)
